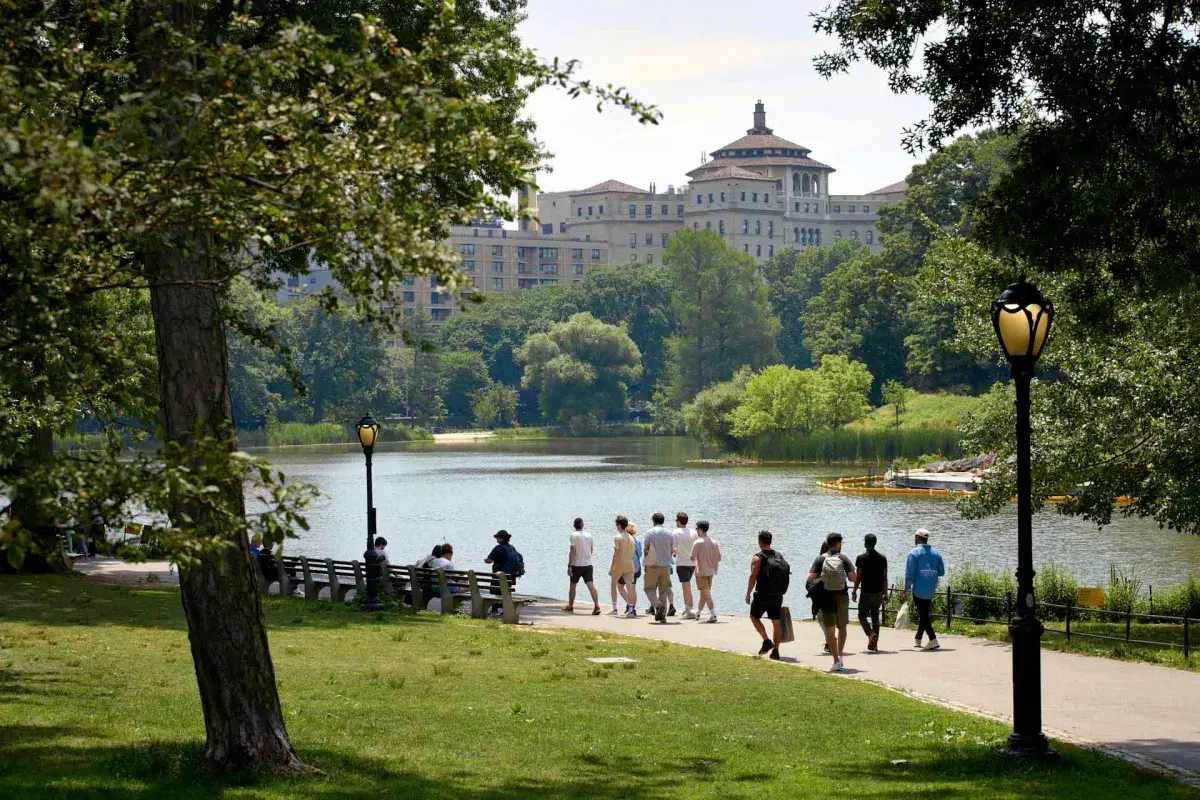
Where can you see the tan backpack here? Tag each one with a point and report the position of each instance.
(833, 573)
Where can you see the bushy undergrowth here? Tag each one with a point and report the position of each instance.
(846, 446)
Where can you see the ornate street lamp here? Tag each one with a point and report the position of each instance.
(1022, 319)
(368, 435)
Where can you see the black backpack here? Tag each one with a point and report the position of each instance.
(774, 574)
(514, 563)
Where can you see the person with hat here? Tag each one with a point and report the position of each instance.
(921, 572)
(504, 557)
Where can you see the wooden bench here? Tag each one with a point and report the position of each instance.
(496, 590)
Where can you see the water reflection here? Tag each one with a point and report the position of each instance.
(534, 488)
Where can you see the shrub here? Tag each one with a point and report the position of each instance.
(1178, 601)
(1123, 589)
(1053, 585)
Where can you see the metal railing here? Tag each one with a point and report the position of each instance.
(1070, 613)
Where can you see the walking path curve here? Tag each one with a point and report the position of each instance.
(1141, 712)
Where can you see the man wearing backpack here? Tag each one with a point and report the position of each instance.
(835, 571)
(921, 572)
(769, 579)
(505, 558)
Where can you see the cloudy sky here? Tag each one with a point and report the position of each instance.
(704, 64)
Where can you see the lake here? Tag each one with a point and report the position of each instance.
(535, 488)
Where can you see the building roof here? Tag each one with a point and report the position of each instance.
(893, 188)
(757, 140)
(727, 172)
(757, 161)
(611, 186)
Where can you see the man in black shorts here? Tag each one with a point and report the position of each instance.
(579, 567)
(769, 575)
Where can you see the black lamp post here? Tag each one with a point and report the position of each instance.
(1022, 319)
(368, 434)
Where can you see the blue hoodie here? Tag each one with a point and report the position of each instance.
(922, 570)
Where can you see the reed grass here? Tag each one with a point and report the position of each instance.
(855, 446)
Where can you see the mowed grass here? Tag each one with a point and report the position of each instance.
(97, 699)
(923, 411)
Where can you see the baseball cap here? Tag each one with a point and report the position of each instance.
(923, 533)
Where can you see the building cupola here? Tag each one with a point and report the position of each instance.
(760, 121)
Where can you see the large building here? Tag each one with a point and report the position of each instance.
(761, 192)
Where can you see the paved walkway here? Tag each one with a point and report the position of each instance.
(1145, 713)
(114, 570)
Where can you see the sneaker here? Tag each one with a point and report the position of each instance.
(774, 654)
(917, 643)
(767, 646)
(836, 667)
(614, 612)
(596, 611)
(873, 642)
(711, 619)
(671, 611)
(933, 645)
(689, 615)
(659, 616)
(631, 613)
(568, 609)
(650, 611)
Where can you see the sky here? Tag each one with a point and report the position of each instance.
(704, 64)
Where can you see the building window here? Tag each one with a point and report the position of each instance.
(649, 210)
(410, 297)
(722, 197)
(816, 185)
(805, 207)
(817, 237)
(490, 232)
(743, 197)
(475, 232)
(770, 230)
(850, 210)
(664, 239)
(434, 298)
(698, 200)
(526, 283)
(579, 269)
(796, 235)
(745, 226)
(678, 209)
(745, 248)
(589, 211)
(632, 257)
(497, 267)
(866, 209)
(854, 235)
(766, 198)
(710, 198)
(548, 253)
(469, 265)
(805, 185)
(466, 249)
(577, 254)
(633, 240)
(758, 227)
(548, 229)
(632, 210)
(798, 207)
(770, 251)
(601, 211)
(548, 269)
(758, 250)
(649, 258)
(708, 226)
(497, 250)
(837, 234)
(779, 186)
(695, 226)
(562, 227)
(649, 239)
(587, 237)
(595, 255)
(870, 237)
(721, 227)
(795, 183)
(754, 197)
(497, 283)
(579, 211)
(409, 281)
(837, 209)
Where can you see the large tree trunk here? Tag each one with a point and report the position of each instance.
(242, 718)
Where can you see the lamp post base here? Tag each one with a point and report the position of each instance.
(371, 602)
(1029, 747)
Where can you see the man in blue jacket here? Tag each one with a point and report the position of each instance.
(921, 573)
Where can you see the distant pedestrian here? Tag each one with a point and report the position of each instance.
(872, 579)
(770, 577)
(682, 540)
(579, 566)
(706, 554)
(381, 548)
(659, 550)
(921, 572)
(621, 571)
(505, 558)
(631, 610)
(835, 572)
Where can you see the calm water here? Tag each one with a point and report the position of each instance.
(535, 489)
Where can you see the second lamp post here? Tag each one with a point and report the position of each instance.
(368, 434)
(1022, 319)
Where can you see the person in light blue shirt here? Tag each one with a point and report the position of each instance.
(921, 572)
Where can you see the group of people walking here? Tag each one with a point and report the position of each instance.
(691, 553)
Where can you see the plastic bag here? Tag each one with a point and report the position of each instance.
(902, 620)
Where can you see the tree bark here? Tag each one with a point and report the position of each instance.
(243, 720)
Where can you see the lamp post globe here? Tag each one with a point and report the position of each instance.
(368, 434)
(1022, 318)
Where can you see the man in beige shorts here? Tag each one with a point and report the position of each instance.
(706, 554)
(622, 568)
(659, 550)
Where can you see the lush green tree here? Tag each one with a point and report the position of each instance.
(208, 140)
(707, 416)
(724, 319)
(582, 370)
(860, 314)
(895, 394)
(846, 385)
(781, 399)
(637, 296)
(494, 405)
(460, 373)
(793, 278)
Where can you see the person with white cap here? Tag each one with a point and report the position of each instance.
(921, 572)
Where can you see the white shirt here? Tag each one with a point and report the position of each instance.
(442, 563)
(582, 542)
(683, 539)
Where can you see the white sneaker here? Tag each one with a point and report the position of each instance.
(917, 644)
(713, 618)
(933, 645)
(614, 612)
(689, 614)
(836, 667)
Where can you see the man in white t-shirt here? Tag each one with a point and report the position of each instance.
(579, 567)
(683, 538)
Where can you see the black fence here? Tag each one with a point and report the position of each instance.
(999, 610)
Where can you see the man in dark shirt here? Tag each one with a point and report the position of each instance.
(872, 579)
(835, 572)
(501, 553)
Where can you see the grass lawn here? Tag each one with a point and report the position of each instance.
(97, 699)
(934, 411)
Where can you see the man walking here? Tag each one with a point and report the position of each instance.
(682, 539)
(835, 572)
(872, 579)
(659, 551)
(706, 554)
(770, 576)
(622, 568)
(579, 567)
(921, 572)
